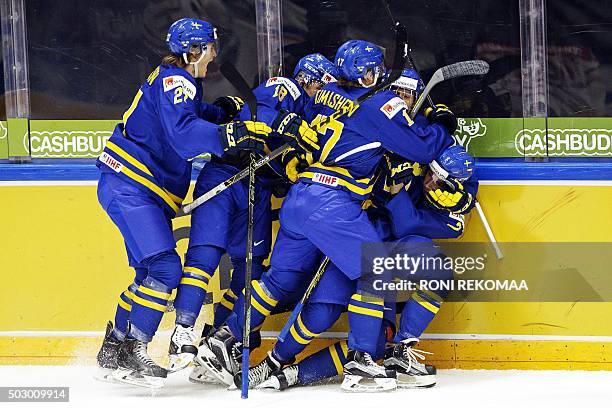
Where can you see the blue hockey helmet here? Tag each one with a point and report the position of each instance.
(186, 33)
(315, 67)
(454, 162)
(356, 58)
(409, 80)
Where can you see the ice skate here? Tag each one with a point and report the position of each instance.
(220, 354)
(181, 350)
(259, 373)
(107, 356)
(362, 374)
(136, 367)
(403, 358)
(281, 380)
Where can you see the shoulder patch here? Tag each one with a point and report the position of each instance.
(392, 106)
(175, 81)
(291, 87)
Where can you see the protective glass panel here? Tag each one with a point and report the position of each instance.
(88, 57)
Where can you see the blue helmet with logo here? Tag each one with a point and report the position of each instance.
(454, 162)
(315, 67)
(186, 33)
(409, 80)
(356, 58)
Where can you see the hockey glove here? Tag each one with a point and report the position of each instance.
(442, 116)
(295, 162)
(245, 135)
(231, 105)
(296, 131)
(453, 199)
(401, 170)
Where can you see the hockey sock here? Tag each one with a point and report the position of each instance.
(365, 316)
(124, 304)
(262, 304)
(313, 320)
(200, 264)
(325, 363)
(224, 308)
(419, 311)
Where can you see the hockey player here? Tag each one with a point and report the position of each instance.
(145, 174)
(409, 214)
(322, 213)
(219, 225)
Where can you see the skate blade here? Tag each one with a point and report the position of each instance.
(356, 383)
(405, 381)
(200, 375)
(271, 383)
(177, 362)
(104, 375)
(128, 376)
(207, 360)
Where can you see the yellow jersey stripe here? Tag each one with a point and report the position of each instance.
(197, 271)
(365, 311)
(335, 359)
(432, 308)
(226, 303)
(259, 307)
(432, 295)
(125, 305)
(174, 198)
(297, 336)
(149, 304)
(128, 294)
(344, 347)
(132, 107)
(194, 282)
(344, 183)
(151, 186)
(367, 299)
(258, 289)
(128, 157)
(230, 293)
(154, 293)
(303, 327)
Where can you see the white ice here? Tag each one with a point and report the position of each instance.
(456, 388)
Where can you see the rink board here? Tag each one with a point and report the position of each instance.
(64, 264)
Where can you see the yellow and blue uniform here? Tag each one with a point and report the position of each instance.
(145, 173)
(406, 213)
(219, 226)
(322, 213)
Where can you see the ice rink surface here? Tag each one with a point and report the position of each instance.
(456, 388)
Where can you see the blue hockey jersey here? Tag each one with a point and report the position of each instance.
(352, 145)
(161, 131)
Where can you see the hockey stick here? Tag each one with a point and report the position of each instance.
(447, 72)
(400, 41)
(233, 76)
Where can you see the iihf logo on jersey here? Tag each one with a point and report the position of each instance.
(468, 129)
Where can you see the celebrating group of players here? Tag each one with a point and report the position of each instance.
(374, 174)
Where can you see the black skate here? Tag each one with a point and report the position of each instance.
(107, 356)
(362, 374)
(221, 355)
(259, 373)
(136, 367)
(182, 350)
(410, 372)
(281, 380)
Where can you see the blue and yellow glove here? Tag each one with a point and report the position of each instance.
(295, 162)
(296, 131)
(443, 116)
(231, 105)
(453, 199)
(247, 135)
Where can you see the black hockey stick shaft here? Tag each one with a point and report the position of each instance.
(237, 80)
(401, 36)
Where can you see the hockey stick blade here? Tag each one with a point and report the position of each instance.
(234, 77)
(456, 70)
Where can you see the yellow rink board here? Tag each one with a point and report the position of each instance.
(63, 264)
